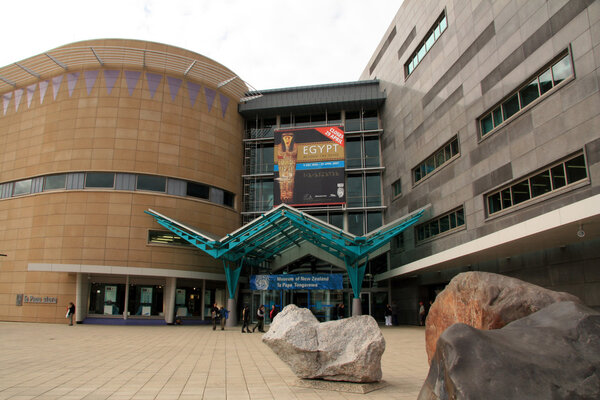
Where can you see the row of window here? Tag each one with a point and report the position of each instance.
(167, 237)
(353, 121)
(441, 157)
(446, 223)
(548, 180)
(362, 190)
(423, 48)
(536, 87)
(116, 181)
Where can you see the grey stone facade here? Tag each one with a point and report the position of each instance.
(489, 50)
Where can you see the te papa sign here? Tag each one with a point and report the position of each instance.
(21, 298)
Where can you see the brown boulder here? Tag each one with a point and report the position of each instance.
(485, 301)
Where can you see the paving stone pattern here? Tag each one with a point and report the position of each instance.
(48, 361)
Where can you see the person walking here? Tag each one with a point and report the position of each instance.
(388, 315)
(214, 315)
(340, 311)
(70, 313)
(224, 313)
(260, 315)
(246, 319)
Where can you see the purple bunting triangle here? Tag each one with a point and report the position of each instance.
(6, 100)
(72, 81)
(193, 89)
(210, 97)
(110, 77)
(224, 104)
(18, 95)
(153, 82)
(56, 81)
(43, 87)
(174, 85)
(132, 78)
(90, 78)
(30, 93)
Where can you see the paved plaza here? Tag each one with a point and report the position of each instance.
(47, 361)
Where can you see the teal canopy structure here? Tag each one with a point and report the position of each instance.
(268, 236)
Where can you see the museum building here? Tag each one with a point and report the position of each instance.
(484, 116)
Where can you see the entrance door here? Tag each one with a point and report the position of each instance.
(301, 299)
(365, 302)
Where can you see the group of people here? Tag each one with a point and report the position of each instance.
(219, 314)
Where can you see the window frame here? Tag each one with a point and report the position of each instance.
(421, 50)
(430, 161)
(490, 114)
(508, 189)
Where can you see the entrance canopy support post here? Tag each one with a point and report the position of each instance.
(356, 274)
(232, 274)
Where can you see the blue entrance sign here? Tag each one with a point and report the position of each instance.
(297, 281)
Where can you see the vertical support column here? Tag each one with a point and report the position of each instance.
(170, 286)
(126, 305)
(202, 297)
(232, 274)
(356, 275)
(81, 290)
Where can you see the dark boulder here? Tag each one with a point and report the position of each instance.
(551, 354)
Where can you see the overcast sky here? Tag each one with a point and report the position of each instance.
(268, 43)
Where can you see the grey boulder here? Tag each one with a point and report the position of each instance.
(553, 353)
(347, 350)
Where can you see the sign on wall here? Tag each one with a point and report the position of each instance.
(309, 166)
(297, 281)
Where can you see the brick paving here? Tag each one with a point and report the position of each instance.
(47, 361)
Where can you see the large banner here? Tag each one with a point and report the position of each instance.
(297, 281)
(309, 166)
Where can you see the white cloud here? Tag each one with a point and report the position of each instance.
(268, 43)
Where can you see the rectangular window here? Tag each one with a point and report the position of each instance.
(22, 187)
(371, 151)
(152, 183)
(99, 180)
(426, 44)
(354, 194)
(355, 223)
(397, 188)
(353, 153)
(198, 190)
(55, 182)
(440, 158)
(168, 238)
(539, 184)
(373, 190)
(534, 88)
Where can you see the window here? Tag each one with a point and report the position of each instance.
(397, 188)
(441, 157)
(54, 182)
(152, 183)
(536, 87)
(363, 120)
(198, 190)
(543, 182)
(446, 223)
(423, 48)
(99, 180)
(22, 187)
(261, 159)
(260, 195)
(362, 152)
(372, 190)
(168, 238)
(354, 194)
